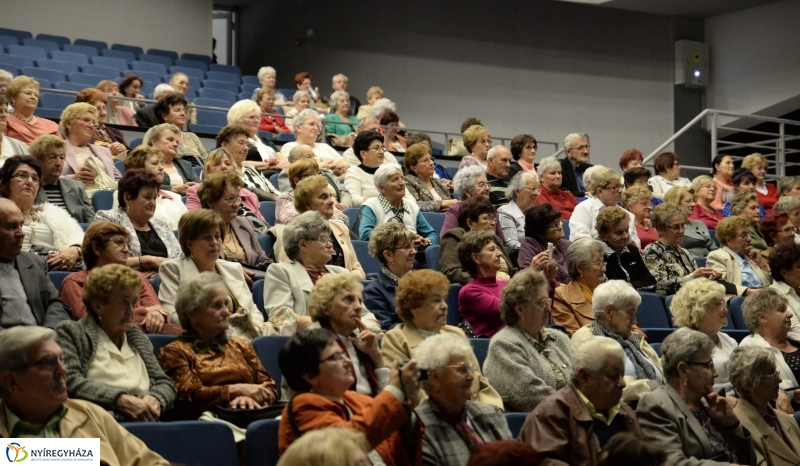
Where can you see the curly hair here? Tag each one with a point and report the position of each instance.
(127, 81)
(305, 189)
(214, 159)
(90, 95)
(465, 180)
(539, 218)
(163, 105)
(106, 281)
(519, 291)
(683, 345)
(387, 237)
(472, 135)
(44, 144)
(635, 194)
(665, 161)
(761, 302)
(770, 225)
(698, 183)
(415, 289)
(784, 258)
(195, 223)
(608, 218)
(753, 160)
(214, 186)
(664, 212)
(691, 302)
(138, 156)
(740, 201)
(471, 243)
(194, 294)
(301, 76)
(73, 112)
(726, 228)
(414, 154)
(629, 156)
(363, 140)
(519, 142)
(98, 234)
(747, 366)
(229, 131)
(132, 183)
(473, 208)
(469, 122)
(676, 194)
(325, 292)
(11, 165)
(303, 226)
(786, 184)
(18, 84)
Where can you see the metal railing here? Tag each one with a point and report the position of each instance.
(772, 145)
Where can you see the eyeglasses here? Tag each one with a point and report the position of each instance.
(599, 265)
(487, 142)
(463, 368)
(788, 231)
(534, 189)
(482, 184)
(584, 147)
(543, 303)
(209, 237)
(23, 177)
(378, 148)
(425, 160)
(774, 375)
(556, 226)
(744, 236)
(335, 357)
(47, 363)
(617, 187)
(678, 227)
(322, 240)
(407, 247)
(121, 242)
(708, 365)
(531, 147)
(232, 200)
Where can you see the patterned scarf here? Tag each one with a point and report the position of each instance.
(459, 423)
(201, 346)
(644, 369)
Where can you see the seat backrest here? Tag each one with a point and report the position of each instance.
(148, 76)
(60, 40)
(196, 57)
(368, 263)
(128, 48)
(111, 62)
(44, 73)
(432, 256)
(223, 76)
(453, 315)
(219, 94)
(212, 130)
(48, 45)
(102, 199)
(274, 179)
(57, 278)
(17, 61)
(155, 282)
(225, 68)
(63, 66)
(480, 346)
(713, 235)
(435, 219)
(565, 227)
(656, 347)
(160, 341)
(20, 35)
(122, 54)
(515, 422)
(267, 209)
(166, 61)
(95, 44)
(248, 88)
(164, 53)
(5, 41)
(32, 52)
(224, 85)
(262, 443)
(267, 243)
(90, 80)
(212, 117)
(191, 64)
(267, 349)
(258, 296)
(736, 315)
(87, 50)
(651, 312)
(107, 71)
(251, 79)
(68, 86)
(188, 442)
(57, 101)
(151, 67)
(76, 59)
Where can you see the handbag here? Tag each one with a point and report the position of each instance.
(102, 181)
(342, 141)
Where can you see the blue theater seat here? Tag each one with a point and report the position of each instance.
(196, 57)
(149, 67)
(20, 35)
(77, 59)
(166, 61)
(122, 54)
(47, 45)
(5, 41)
(98, 45)
(188, 442)
(148, 76)
(368, 263)
(90, 80)
(262, 443)
(219, 94)
(223, 76)
(267, 349)
(267, 209)
(250, 79)
(106, 71)
(110, 62)
(233, 88)
(53, 100)
(193, 73)
(43, 73)
(164, 53)
(453, 316)
(62, 66)
(34, 53)
(87, 50)
(60, 40)
(128, 48)
(68, 86)
(191, 64)
(225, 68)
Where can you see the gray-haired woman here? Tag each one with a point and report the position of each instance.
(469, 182)
(307, 128)
(307, 242)
(454, 424)
(551, 193)
(614, 304)
(526, 360)
(340, 114)
(522, 191)
(776, 436)
(572, 302)
(695, 425)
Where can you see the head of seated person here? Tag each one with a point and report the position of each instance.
(368, 147)
(331, 446)
(744, 181)
(700, 305)
(631, 158)
(131, 86)
(470, 182)
(683, 197)
(137, 193)
(266, 100)
(789, 186)
(543, 224)
(179, 82)
(307, 240)
(220, 193)
(614, 305)
(391, 244)
(777, 228)
(306, 359)
(23, 94)
(598, 370)
(340, 104)
(307, 127)
(105, 243)
(767, 314)
(335, 303)
(638, 200)
(303, 167)
(172, 109)
(549, 172)
(523, 147)
(147, 158)
(51, 151)
(77, 123)
(302, 101)
(523, 189)
(587, 175)
(5, 78)
(302, 81)
(667, 165)
(477, 213)
(477, 141)
(480, 253)
(421, 300)
(388, 178)
(734, 234)
(98, 100)
(166, 137)
(246, 113)
(585, 263)
(389, 118)
(636, 176)
(606, 186)
(784, 263)
(754, 375)
(790, 206)
(419, 138)
(525, 303)
(745, 205)
(219, 161)
(267, 76)
(670, 222)
(20, 181)
(233, 140)
(498, 162)
(449, 360)
(200, 235)
(202, 306)
(109, 295)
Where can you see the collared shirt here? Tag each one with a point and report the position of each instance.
(749, 277)
(397, 214)
(771, 419)
(121, 367)
(541, 348)
(607, 419)
(17, 428)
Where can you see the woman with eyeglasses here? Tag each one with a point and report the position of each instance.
(638, 200)
(233, 140)
(671, 264)
(543, 225)
(431, 194)
(261, 154)
(606, 190)
(623, 259)
(307, 127)
(521, 194)
(523, 150)
(667, 166)
(572, 302)
(391, 244)
(696, 238)
(737, 261)
(549, 172)
(85, 161)
(359, 180)
(705, 191)
(299, 170)
(477, 141)
(776, 228)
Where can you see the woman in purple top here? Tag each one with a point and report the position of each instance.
(469, 182)
(543, 225)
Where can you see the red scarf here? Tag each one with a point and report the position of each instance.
(459, 423)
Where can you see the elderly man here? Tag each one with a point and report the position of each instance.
(27, 296)
(339, 83)
(498, 163)
(369, 123)
(146, 116)
(68, 194)
(572, 425)
(576, 146)
(35, 403)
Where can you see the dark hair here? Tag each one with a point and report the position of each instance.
(504, 453)
(627, 448)
(741, 175)
(471, 121)
(770, 224)
(664, 161)
(389, 117)
(472, 243)
(363, 140)
(300, 356)
(230, 131)
(519, 142)
(717, 160)
(631, 175)
(99, 233)
(170, 100)
(132, 183)
(11, 166)
(473, 208)
(783, 257)
(629, 156)
(301, 76)
(538, 218)
(127, 81)
(215, 184)
(417, 138)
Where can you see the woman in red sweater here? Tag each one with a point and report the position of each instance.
(269, 122)
(767, 193)
(550, 174)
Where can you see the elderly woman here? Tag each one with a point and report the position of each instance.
(767, 192)
(776, 228)
(614, 304)
(790, 206)
(314, 194)
(391, 245)
(396, 137)
(522, 191)
(606, 190)
(454, 424)
(267, 77)
(88, 163)
(431, 194)
(172, 109)
(593, 394)
(118, 113)
(374, 94)
(469, 182)
(637, 176)
(360, 180)
(551, 193)
(670, 263)
(307, 127)
(109, 361)
(179, 175)
(201, 240)
(308, 244)
(329, 446)
(572, 302)
(270, 122)
(180, 83)
(111, 138)
(131, 86)
(299, 170)
(667, 166)
(107, 243)
(316, 367)
(789, 186)
(391, 206)
(261, 154)
(422, 309)
(208, 368)
(8, 145)
(526, 360)
(51, 152)
(220, 193)
(49, 230)
(745, 205)
(23, 125)
(744, 182)
(776, 437)
(631, 158)
(337, 121)
(477, 141)
(523, 150)
(232, 139)
(694, 424)
(152, 240)
(700, 305)
(301, 100)
(302, 82)
(169, 206)
(696, 239)
(736, 261)
(542, 227)
(639, 201)
(784, 263)
(705, 191)
(623, 260)
(722, 172)
(476, 214)
(769, 320)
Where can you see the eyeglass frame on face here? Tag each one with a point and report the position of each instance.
(557, 225)
(120, 241)
(231, 200)
(677, 228)
(616, 187)
(708, 365)
(208, 237)
(407, 247)
(48, 364)
(788, 231)
(482, 184)
(380, 148)
(323, 240)
(599, 265)
(463, 369)
(547, 303)
(24, 176)
(335, 357)
(532, 189)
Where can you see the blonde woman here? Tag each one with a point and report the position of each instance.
(606, 191)
(705, 191)
(696, 238)
(638, 200)
(767, 192)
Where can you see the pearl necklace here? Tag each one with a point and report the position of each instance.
(25, 119)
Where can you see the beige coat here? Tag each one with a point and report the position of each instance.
(721, 260)
(342, 235)
(770, 449)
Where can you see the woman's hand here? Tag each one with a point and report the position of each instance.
(420, 242)
(248, 277)
(755, 255)
(64, 259)
(153, 262)
(85, 175)
(303, 322)
(783, 403)
(244, 402)
(181, 188)
(258, 392)
(704, 272)
(367, 342)
(155, 406)
(154, 320)
(116, 148)
(136, 409)
(719, 410)
(149, 274)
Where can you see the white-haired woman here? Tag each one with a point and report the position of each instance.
(572, 302)
(301, 100)
(259, 155)
(267, 76)
(391, 205)
(522, 191)
(340, 122)
(454, 423)
(614, 304)
(469, 182)
(549, 171)
(776, 436)
(306, 126)
(694, 424)
(606, 190)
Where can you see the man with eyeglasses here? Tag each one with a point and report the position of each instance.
(35, 403)
(576, 146)
(498, 163)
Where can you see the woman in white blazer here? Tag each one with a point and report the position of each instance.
(734, 237)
